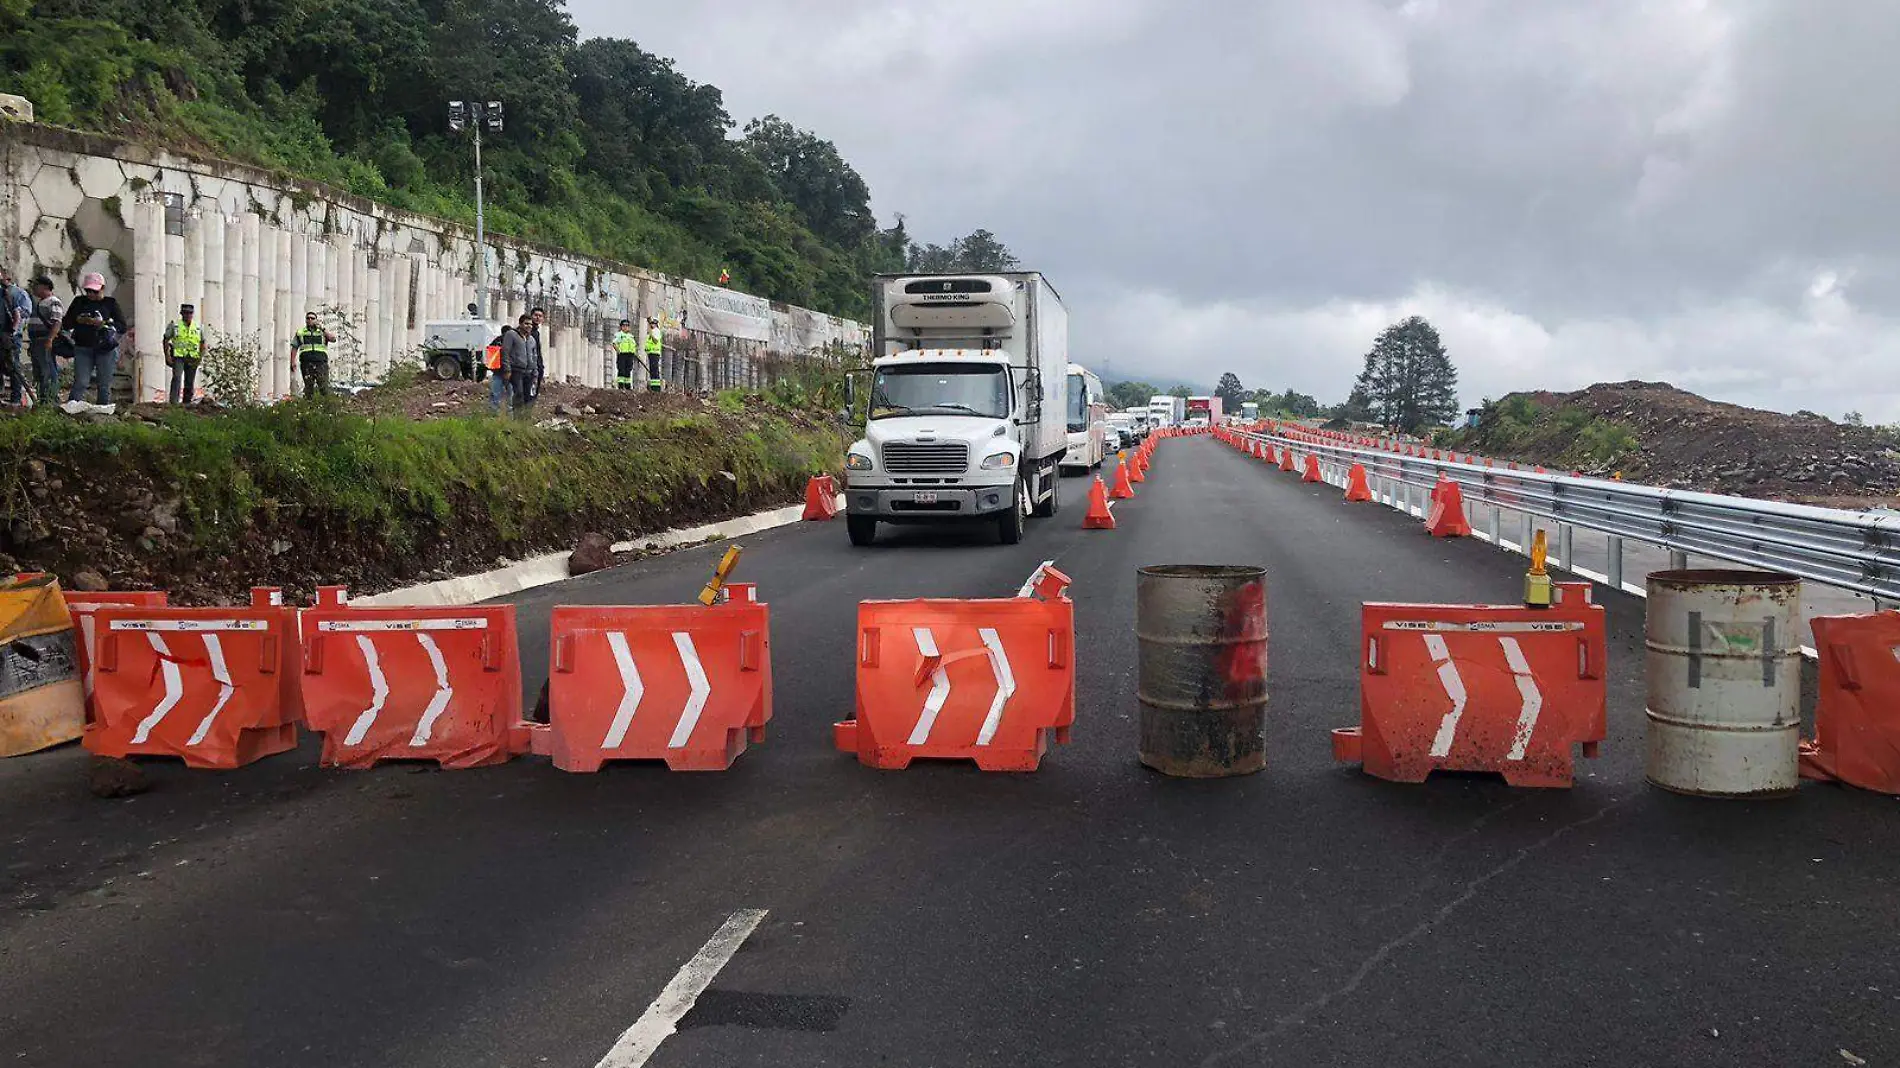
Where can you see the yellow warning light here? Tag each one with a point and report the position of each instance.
(1537, 589)
(715, 590)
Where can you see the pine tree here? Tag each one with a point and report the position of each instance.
(1230, 391)
(1408, 381)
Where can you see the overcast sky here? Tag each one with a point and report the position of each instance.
(1573, 191)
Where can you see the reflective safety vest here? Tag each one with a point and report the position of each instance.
(654, 341)
(625, 342)
(188, 342)
(311, 342)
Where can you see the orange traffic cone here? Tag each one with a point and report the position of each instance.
(1286, 459)
(1123, 488)
(1099, 517)
(1447, 517)
(1312, 470)
(1356, 487)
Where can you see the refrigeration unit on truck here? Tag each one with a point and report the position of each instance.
(1203, 411)
(1166, 411)
(966, 420)
(1087, 420)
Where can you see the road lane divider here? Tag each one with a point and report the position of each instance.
(405, 683)
(987, 680)
(1491, 688)
(1857, 713)
(687, 684)
(214, 687)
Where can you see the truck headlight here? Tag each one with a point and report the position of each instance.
(1000, 461)
(857, 461)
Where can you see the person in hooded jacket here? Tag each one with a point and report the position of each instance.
(97, 325)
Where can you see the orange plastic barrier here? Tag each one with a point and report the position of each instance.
(216, 687)
(1357, 488)
(83, 606)
(821, 498)
(1099, 516)
(1124, 486)
(1496, 688)
(688, 684)
(1447, 516)
(403, 683)
(1312, 469)
(986, 680)
(1857, 713)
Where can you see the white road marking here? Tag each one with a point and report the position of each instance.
(1527, 689)
(939, 687)
(1454, 689)
(443, 692)
(219, 671)
(1005, 684)
(379, 692)
(695, 701)
(638, 1043)
(632, 690)
(174, 689)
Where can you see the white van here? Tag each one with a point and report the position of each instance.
(1087, 410)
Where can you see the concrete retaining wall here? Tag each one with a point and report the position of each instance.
(255, 251)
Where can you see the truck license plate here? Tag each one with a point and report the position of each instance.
(923, 497)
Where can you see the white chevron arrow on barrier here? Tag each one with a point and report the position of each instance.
(443, 691)
(939, 687)
(379, 692)
(1005, 684)
(632, 690)
(1454, 688)
(174, 688)
(696, 700)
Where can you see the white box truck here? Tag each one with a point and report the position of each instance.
(967, 414)
(1166, 411)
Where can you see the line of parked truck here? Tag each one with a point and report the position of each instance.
(975, 410)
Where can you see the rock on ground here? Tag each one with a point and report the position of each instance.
(593, 553)
(112, 777)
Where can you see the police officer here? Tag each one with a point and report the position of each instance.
(184, 348)
(312, 348)
(626, 345)
(655, 341)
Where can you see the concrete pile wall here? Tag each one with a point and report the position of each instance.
(254, 251)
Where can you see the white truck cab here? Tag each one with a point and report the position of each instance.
(965, 419)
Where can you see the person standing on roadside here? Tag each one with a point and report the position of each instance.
(655, 344)
(311, 345)
(517, 361)
(626, 346)
(42, 335)
(97, 325)
(184, 347)
(16, 310)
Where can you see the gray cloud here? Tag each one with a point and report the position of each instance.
(1694, 190)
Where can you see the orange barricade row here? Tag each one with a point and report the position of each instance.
(1857, 713)
(986, 680)
(1495, 688)
(216, 687)
(403, 683)
(687, 684)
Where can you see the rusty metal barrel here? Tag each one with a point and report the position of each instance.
(1724, 678)
(1202, 670)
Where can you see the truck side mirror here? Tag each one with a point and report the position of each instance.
(850, 393)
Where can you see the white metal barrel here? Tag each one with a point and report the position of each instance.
(1724, 674)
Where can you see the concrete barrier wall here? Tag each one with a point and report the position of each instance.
(254, 251)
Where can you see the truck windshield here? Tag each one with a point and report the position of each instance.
(941, 389)
(1078, 404)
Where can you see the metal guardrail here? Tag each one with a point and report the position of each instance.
(1853, 551)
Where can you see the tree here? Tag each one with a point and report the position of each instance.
(827, 193)
(1408, 381)
(1230, 391)
(979, 252)
(1132, 394)
(1180, 391)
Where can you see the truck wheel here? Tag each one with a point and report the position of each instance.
(446, 366)
(862, 528)
(1047, 508)
(1009, 522)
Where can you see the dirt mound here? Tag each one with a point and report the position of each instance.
(1684, 441)
(428, 398)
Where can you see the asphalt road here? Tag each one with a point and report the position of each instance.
(1092, 913)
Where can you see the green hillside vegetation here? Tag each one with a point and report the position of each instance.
(607, 148)
(1561, 435)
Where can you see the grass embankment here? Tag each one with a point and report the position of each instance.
(299, 494)
(1558, 436)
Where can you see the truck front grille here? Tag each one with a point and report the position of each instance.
(948, 458)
